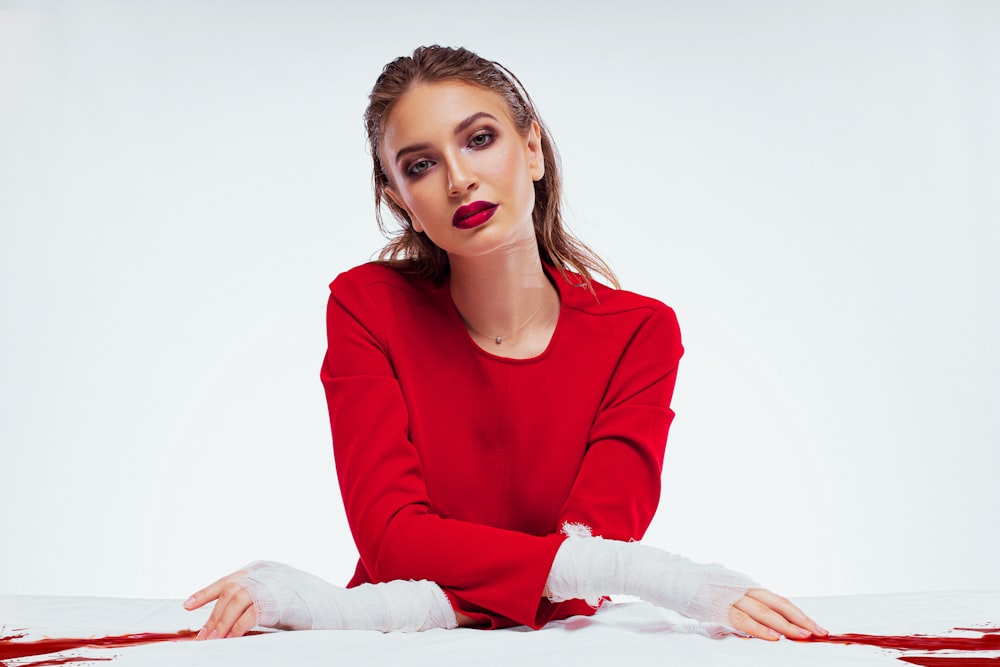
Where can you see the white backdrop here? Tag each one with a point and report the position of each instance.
(813, 187)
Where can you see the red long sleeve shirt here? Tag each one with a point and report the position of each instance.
(460, 466)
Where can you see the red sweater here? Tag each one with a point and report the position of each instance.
(460, 467)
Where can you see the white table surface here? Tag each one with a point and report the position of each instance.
(626, 634)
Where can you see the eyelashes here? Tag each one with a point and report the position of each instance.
(479, 140)
(418, 167)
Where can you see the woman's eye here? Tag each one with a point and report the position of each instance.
(419, 167)
(481, 139)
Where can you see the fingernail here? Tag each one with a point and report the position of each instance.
(823, 631)
(189, 601)
(802, 632)
(201, 634)
(772, 634)
(214, 634)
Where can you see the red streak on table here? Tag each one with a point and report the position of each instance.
(56, 661)
(987, 642)
(11, 648)
(929, 661)
(979, 629)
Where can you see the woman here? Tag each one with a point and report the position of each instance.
(499, 417)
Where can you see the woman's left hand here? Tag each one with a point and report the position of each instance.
(767, 615)
(234, 614)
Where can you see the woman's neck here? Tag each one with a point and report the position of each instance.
(506, 295)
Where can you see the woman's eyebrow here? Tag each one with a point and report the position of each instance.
(464, 125)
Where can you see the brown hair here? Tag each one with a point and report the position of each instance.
(412, 251)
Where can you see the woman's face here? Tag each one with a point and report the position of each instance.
(461, 170)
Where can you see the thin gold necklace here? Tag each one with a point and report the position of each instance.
(500, 339)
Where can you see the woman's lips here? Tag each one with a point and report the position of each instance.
(473, 215)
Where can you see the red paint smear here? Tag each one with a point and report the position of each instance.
(988, 642)
(980, 629)
(57, 661)
(9, 648)
(952, 662)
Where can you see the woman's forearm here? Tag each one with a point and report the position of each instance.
(591, 567)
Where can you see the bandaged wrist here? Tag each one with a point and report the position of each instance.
(591, 567)
(288, 598)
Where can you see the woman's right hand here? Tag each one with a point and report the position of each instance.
(766, 615)
(234, 613)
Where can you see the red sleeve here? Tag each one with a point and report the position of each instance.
(397, 534)
(617, 489)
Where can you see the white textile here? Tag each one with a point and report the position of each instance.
(288, 598)
(591, 567)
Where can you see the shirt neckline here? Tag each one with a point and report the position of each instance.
(555, 277)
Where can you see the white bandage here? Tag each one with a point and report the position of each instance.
(288, 598)
(591, 567)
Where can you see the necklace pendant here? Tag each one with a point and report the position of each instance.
(499, 340)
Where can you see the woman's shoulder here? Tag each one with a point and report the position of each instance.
(650, 325)
(609, 314)
(370, 275)
(606, 300)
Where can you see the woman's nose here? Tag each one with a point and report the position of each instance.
(460, 179)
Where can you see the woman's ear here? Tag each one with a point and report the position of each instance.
(536, 162)
(398, 201)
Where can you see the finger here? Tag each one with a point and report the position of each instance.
(213, 619)
(245, 623)
(769, 618)
(763, 613)
(233, 602)
(742, 621)
(207, 594)
(787, 609)
(217, 612)
(211, 592)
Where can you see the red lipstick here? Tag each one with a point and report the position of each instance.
(473, 215)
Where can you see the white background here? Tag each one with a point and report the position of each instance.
(812, 185)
